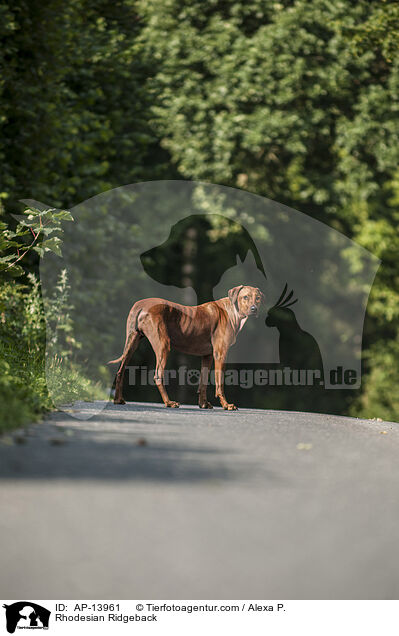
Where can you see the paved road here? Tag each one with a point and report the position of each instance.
(146, 502)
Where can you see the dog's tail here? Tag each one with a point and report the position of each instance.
(131, 331)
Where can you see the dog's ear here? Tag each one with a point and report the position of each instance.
(262, 297)
(233, 293)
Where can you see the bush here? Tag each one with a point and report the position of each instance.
(24, 394)
(23, 391)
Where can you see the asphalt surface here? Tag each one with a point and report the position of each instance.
(143, 502)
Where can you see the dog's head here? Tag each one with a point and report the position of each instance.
(246, 300)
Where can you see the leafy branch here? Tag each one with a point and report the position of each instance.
(44, 228)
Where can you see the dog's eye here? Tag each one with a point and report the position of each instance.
(245, 297)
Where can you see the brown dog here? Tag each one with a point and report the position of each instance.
(206, 330)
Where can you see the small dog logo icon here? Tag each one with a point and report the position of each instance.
(26, 615)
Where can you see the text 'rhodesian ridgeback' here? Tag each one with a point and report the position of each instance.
(206, 330)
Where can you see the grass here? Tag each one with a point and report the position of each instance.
(26, 395)
(28, 387)
(67, 383)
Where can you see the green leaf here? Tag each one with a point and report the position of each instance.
(52, 245)
(63, 215)
(14, 270)
(39, 249)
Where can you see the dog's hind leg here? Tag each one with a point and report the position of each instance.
(206, 363)
(130, 347)
(161, 345)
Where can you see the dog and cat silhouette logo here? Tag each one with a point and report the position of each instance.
(189, 244)
(26, 615)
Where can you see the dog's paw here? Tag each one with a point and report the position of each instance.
(172, 405)
(120, 401)
(230, 407)
(205, 405)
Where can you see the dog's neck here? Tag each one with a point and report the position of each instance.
(237, 321)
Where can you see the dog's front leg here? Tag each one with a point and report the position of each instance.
(220, 355)
(206, 363)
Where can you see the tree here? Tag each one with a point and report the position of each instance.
(296, 101)
(73, 120)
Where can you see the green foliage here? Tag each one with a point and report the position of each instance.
(43, 229)
(68, 384)
(380, 398)
(297, 101)
(59, 323)
(74, 100)
(294, 100)
(23, 387)
(380, 31)
(23, 392)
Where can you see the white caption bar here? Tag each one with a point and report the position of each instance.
(274, 618)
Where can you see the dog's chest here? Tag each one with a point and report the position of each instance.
(242, 323)
(234, 334)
